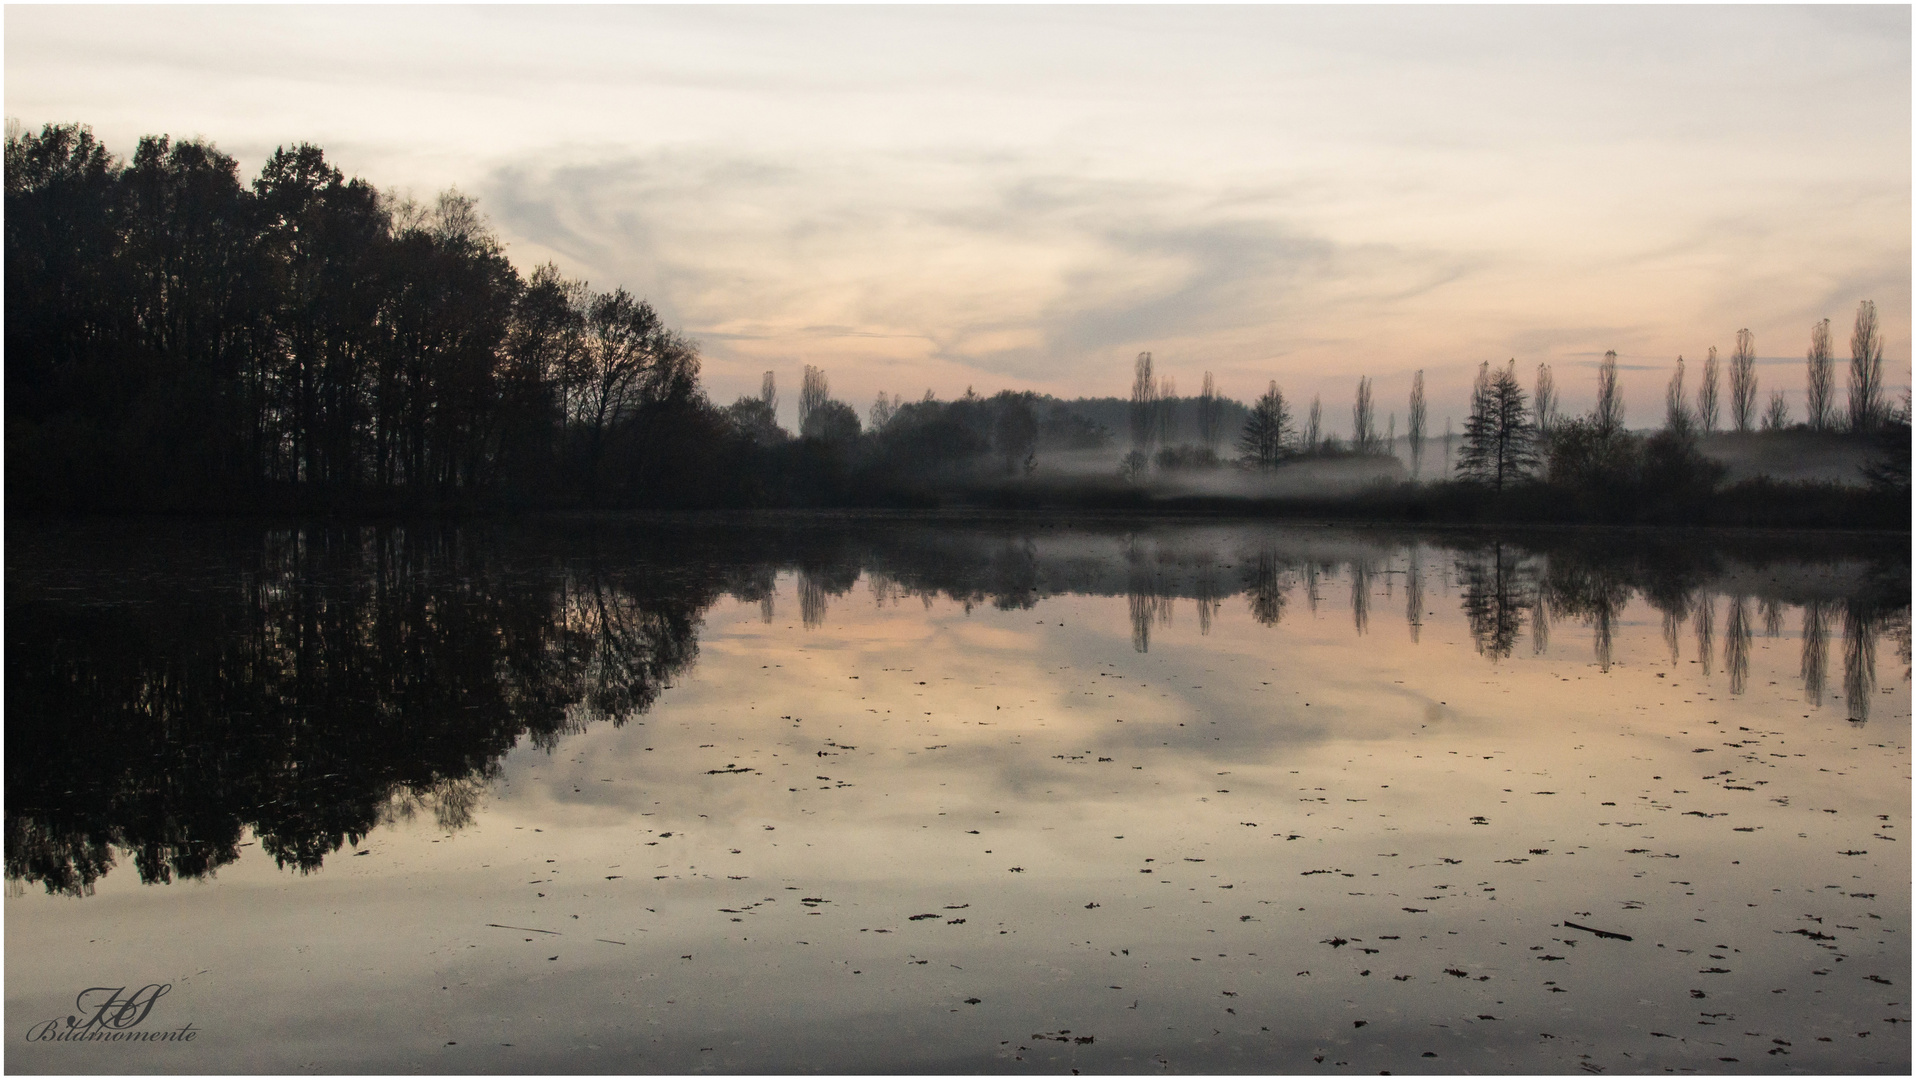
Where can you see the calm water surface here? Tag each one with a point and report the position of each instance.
(890, 797)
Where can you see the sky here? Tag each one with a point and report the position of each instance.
(931, 198)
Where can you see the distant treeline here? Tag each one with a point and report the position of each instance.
(180, 339)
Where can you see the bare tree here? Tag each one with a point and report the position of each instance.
(812, 395)
(768, 392)
(1676, 411)
(1417, 422)
(1210, 415)
(1865, 370)
(1706, 408)
(1144, 396)
(1819, 386)
(882, 410)
(1314, 426)
(1608, 415)
(1743, 381)
(1777, 416)
(1167, 410)
(1544, 405)
(627, 358)
(1267, 429)
(1363, 425)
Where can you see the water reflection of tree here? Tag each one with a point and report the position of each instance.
(1736, 643)
(1414, 593)
(1815, 651)
(1705, 631)
(1267, 587)
(1861, 622)
(1146, 596)
(1590, 590)
(333, 681)
(1499, 585)
(1360, 570)
(1674, 613)
(1209, 594)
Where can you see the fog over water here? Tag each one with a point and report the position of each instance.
(894, 795)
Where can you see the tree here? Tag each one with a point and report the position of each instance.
(1819, 388)
(1417, 422)
(1608, 414)
(832, 422)
(1143, 413)
(628, 360)
(1499, 437)
(1167, 410)
(1016, 429)
(1314, 427)
(1544, 403)
(1363, 423)
(1743, 381)
(1777, 416)
(1887, 469)
(1865, 370)
(1706, 406)
(1676, 411)
(1210, 415)
(1267, 430)
(813, 393)
(883, 409)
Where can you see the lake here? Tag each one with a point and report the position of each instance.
(857, 796)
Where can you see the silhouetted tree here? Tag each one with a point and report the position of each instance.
(1706, 403)
(1776, 416)
(1676, 410)
(1499, 437)
(882, 410)
(1143, 413)
(1865, 370)
(1544, 403)
(1363, 423)
(1743, 382)
(1417, 423)
(1314, 425)
(1210, 416)
(813, 393)
(1819, 387)
(1608, 414)
(620, 355)
(1166, 408)
(1266, 430)
(1887, 469)
(1016, 434)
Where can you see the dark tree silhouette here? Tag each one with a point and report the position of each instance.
(1499, 438)
(1819, 385)
(1264, 440)
(1608, 413)
(1417, 423)
(1865, 370)
(1706, 402)
(1743, 382)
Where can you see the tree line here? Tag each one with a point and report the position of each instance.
(181, 338)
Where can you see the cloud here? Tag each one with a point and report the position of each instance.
(994, 264)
